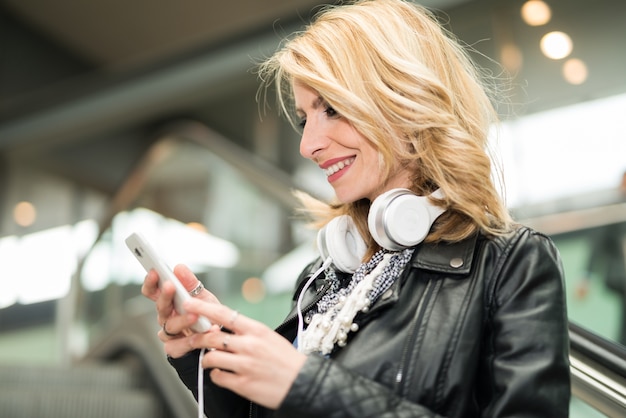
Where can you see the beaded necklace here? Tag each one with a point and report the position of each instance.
(332, 319)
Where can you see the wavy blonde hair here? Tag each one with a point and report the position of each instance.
(409, 87)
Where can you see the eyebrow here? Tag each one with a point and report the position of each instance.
(319, 100)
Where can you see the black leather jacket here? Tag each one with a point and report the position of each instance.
(476, 328)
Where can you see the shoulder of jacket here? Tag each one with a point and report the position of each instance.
(457, 257)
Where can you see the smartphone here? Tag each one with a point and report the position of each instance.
(150, 259)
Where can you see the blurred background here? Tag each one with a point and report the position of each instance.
(121, 116)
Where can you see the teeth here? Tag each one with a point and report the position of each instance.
(336, 167)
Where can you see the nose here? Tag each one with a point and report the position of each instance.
(312, 141)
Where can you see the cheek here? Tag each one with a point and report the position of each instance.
(373, 159)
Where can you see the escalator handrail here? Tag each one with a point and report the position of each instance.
(597, 348)
(598, 370)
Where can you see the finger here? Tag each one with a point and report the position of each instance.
(186, 277)
(150, 287)
(166, 333)
(177, 347)
(224, 378)
(221, 314)
(191, 283)
(218, 340)
(224, 360)
(176, 325)
(165, 301)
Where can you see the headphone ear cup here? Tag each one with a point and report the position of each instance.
(341, 241)
(400, 219)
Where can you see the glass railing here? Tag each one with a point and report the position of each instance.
(207, 204)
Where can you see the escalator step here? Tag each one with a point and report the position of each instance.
(96, 376)
(78, 403)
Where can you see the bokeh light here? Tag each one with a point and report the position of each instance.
(24, 214)
(253, 290)
(536, 13)
(511, 57)
(556, 45)
(575, 71)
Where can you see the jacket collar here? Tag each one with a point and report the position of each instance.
(443, 257)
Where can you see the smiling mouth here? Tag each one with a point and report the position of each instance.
(329, 171)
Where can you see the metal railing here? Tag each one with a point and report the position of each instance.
(598, 369)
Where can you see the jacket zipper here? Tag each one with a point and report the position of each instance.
(417, 320)
(318, 297)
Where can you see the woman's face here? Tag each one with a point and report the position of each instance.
(350, 162)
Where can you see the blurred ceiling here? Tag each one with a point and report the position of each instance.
(117, 34)
(85, 86)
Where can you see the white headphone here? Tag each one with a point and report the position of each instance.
(397, 219)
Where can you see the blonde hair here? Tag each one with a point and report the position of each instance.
(409, 87)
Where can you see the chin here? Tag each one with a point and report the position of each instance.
(347, 198)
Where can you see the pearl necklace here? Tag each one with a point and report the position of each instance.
(335, 313)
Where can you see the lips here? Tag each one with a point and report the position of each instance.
(335, 167)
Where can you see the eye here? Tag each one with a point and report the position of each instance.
(330, 112)
(302, 123)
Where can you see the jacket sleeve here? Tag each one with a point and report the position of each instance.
(326, 389)
(218, 402)
(528, 340)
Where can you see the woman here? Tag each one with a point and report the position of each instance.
(470, 322)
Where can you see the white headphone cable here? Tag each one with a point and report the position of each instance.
(201, 385)
(319, 271)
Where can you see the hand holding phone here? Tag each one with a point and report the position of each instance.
(150, 260)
